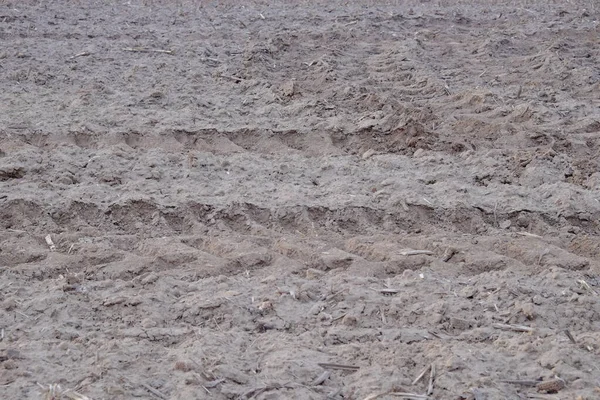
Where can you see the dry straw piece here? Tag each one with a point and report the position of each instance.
(516, 328)
(55, 392)
(147, 50)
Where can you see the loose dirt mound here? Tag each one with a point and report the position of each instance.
(321, 200)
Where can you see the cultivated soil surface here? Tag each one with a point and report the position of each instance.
(300, 200)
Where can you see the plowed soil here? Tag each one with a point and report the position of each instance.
(300, 200)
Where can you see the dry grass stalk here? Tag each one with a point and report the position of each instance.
(431, 380)
(404, 395)
(415, 252)
(529, 234)
(377, 395)
(540, 397)
(23, 314)
(332, 296)
(421, 375)
(55, 392)
(410, 396)
(321, 378)
(516, 328)
(155, 392)
(570, 336)
(586, 286)
(338, 366)
(521, 382)
(383, 318)
(147, 50)
(231, 78)
(214, 383)
(83, 54)
(75, 395)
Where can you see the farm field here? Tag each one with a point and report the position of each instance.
(300, 200)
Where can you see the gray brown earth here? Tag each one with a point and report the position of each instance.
(220, 200)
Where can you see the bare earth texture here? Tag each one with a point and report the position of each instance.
(300, 200)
